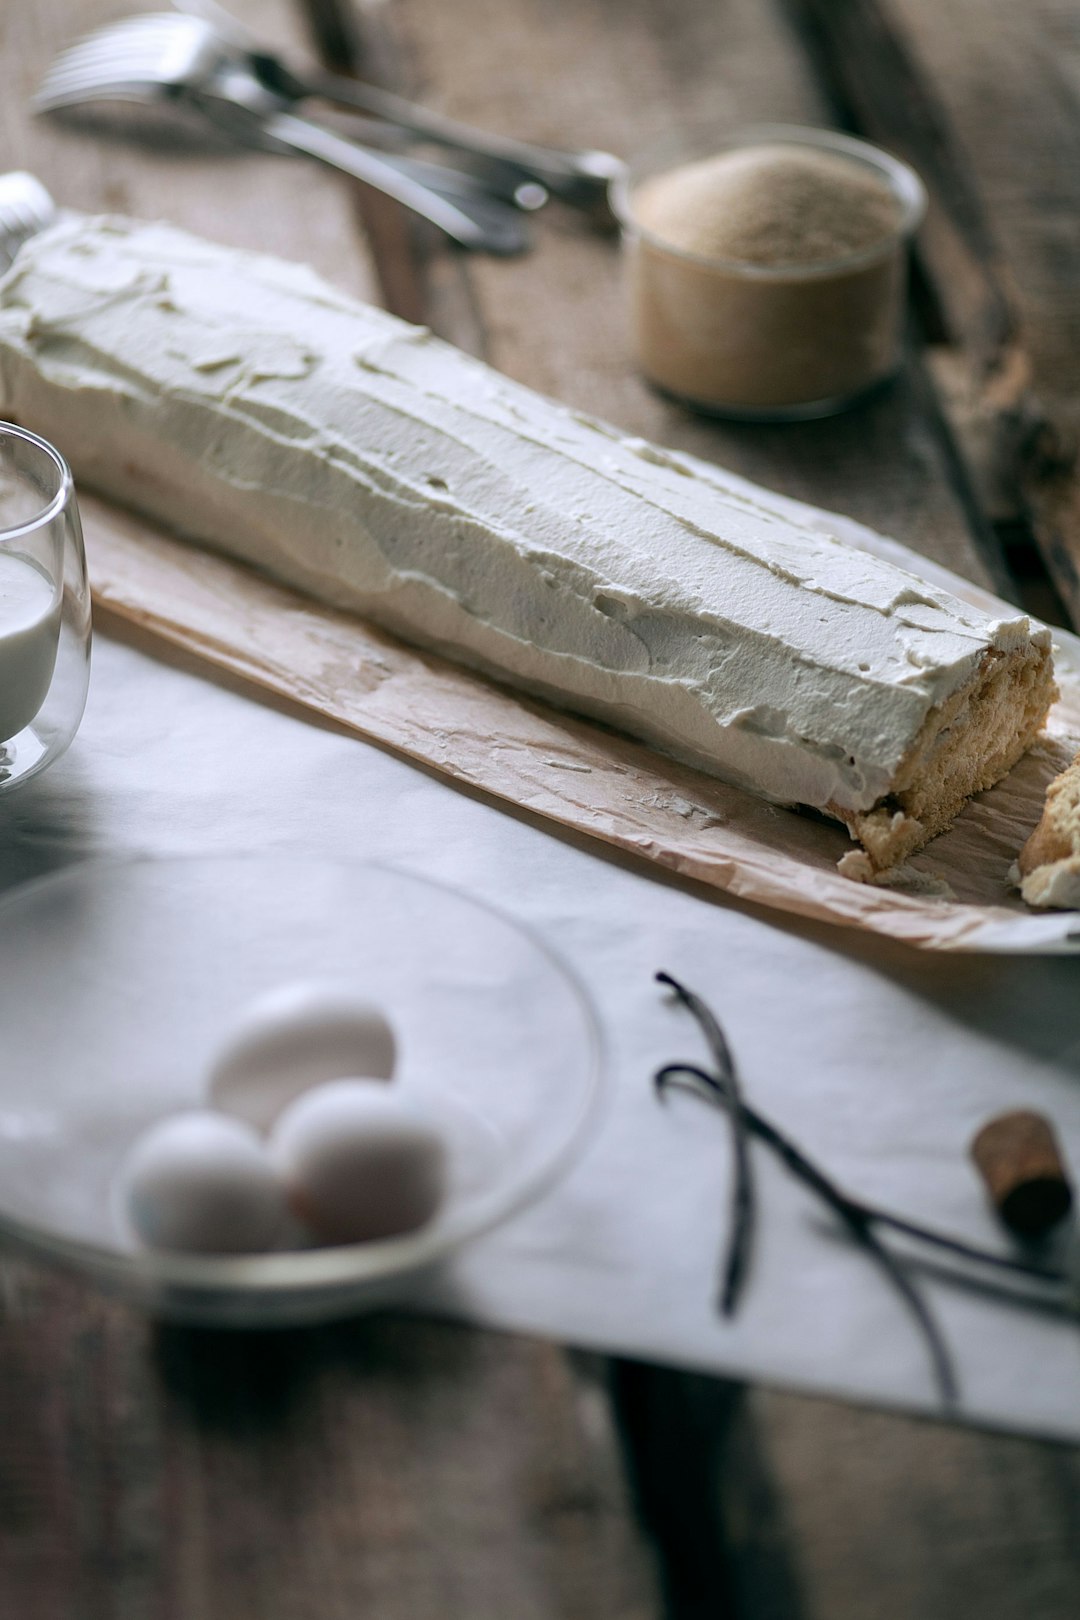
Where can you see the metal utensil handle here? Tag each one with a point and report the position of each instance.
(574, 176)
(494, 234)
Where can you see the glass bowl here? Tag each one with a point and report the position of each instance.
(118, 980)
(762, 342)
(44, 607)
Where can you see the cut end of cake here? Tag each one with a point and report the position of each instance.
(966, 745)
(1048, 868)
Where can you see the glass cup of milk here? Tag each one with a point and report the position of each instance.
(44, 606)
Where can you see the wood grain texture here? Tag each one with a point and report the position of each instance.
(773, 1505)
(895, 1520)
(957, 90)
(396, 1468)
(383, 1468)
(271, 204)
(1009, 81)
(378, 1467)
(629, 78)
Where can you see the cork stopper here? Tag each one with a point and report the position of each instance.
(1018, 1157)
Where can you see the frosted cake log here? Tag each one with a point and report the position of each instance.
(245, 403)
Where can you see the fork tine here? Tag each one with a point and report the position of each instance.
(96, 49)
(150, 40)
(133, 89)
(146, 25)
(189, 64)
(121, 37)
(161, 26)
(140, 57)
(92, 52)
(67, 74)
(93, 69)
(98, 64)
(64, 86)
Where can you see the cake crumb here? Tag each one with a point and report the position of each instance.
(904, 878)
(1048, 868)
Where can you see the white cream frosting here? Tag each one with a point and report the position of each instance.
(244, 402)
(1053, 886)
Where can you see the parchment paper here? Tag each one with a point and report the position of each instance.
(954, 896)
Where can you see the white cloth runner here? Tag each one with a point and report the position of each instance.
(882, 1060)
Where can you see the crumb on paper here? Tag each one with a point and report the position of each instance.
(577, 766)
(857, 866)
(1054, 886)
(687, 809)
(904, 878)
(1047, 870)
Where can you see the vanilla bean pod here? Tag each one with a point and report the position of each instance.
(857, 1218)
(958, 1246)
(762, 1128)
(743, 1201)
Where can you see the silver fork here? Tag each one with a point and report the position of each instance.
(581, 178)
(25, 209)
(179, 59)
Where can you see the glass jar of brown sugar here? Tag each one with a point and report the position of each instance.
(768, 279)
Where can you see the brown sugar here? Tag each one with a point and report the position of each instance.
(769, 279)
(769, 205)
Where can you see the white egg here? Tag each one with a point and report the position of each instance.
(202, 1183)
(294, 1037)
(359, 1161)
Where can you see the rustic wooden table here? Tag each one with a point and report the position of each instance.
(398, 1468)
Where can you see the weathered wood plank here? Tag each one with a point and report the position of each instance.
(628, 77)
(351, 40)
(700, 1481)
(902, 1520)
(376, 1467)
(1006, 402)
(738, 1495)
(395, 1468)
(276, 205)
(1009, 79)
(390, 1468)
(871, 75)
(775, 1505)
